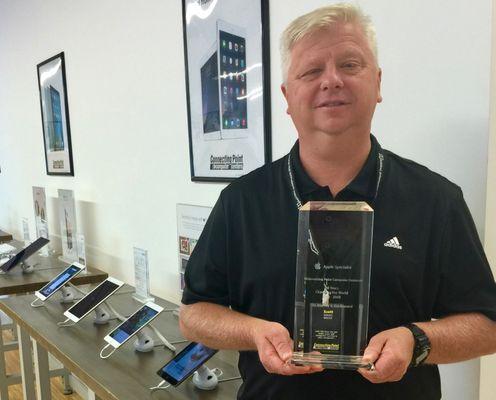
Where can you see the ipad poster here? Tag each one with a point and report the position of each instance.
(191, 220)
(227, 80)
(55, 116)
(68, 226)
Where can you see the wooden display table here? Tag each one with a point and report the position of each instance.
(15, 282)
(127, 374)
(5, 237)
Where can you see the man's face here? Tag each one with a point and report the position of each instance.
(333, 83)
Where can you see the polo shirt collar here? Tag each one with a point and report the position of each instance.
(364, 184)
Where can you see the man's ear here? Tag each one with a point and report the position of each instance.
(379, 79)
(285, 94)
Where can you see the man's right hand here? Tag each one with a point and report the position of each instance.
(275, 349)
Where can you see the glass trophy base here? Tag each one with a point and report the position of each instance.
(330, 361)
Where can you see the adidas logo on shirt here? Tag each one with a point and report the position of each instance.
(394, 243)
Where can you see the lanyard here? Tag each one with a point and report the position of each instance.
(380, 159)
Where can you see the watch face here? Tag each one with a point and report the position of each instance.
(421, 357)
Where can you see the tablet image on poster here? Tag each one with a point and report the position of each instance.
(227, 80)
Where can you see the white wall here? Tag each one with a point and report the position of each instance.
(125, 79)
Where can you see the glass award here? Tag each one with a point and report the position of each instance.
(332, 284)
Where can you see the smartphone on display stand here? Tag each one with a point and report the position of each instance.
(233, 80)
(184, 364)
(60, 280)
(133, 324)
(93, 299)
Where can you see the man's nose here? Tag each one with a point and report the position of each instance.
(331, 79)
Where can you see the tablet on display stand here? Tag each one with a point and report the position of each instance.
(190, 361)
(21, 256)
(133, 326)
(58, 283)
(91, 301)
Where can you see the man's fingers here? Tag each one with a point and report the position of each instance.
(275, 365)
(283, 345)
(270, 357)
(378, 376)
(387, 369)
(374, 349)
(290, 369)
(275, 349)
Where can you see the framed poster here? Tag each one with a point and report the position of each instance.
(55, 116)
(227, 57)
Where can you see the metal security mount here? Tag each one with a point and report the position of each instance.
(101, 316)
(27, 267)
(67, 294)
(144, 342)
(204, 378)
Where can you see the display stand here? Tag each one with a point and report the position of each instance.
(144, 343)
(66, 293)
(204, 378)
(27, 267)
(101, 315)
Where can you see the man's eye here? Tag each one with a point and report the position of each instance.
(311, 72)
(351, 65)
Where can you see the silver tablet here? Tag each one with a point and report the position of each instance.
(93, 299)
(133, 324)
(60, 280)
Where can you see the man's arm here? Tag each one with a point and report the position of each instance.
(219, 327)
(455, 338)
(460, 337)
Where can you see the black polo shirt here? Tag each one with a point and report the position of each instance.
(427, 262)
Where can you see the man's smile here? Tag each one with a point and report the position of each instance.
(332, 103)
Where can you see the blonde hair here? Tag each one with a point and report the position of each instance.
(322, 18)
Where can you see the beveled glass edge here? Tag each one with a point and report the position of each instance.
(330, 361)
(336, 206)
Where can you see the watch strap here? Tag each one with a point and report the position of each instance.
(422, 345)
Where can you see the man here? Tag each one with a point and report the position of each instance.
(240, 280)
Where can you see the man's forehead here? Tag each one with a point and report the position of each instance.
(340, 33)
(326, 45)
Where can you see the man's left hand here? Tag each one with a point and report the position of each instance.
(391, 352)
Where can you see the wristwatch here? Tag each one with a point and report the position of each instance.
(422, 346)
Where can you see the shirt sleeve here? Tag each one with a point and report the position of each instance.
(467, 283)
(206, 273)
